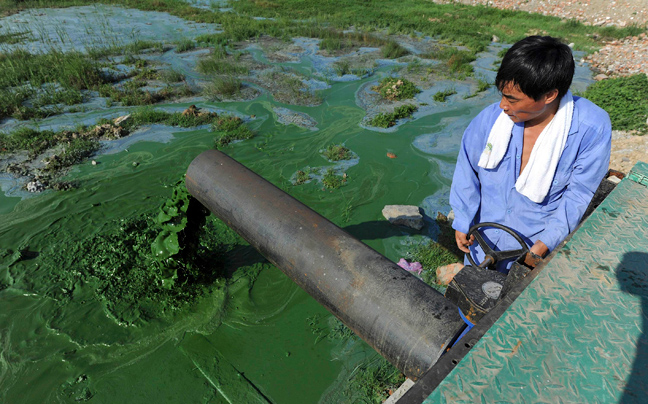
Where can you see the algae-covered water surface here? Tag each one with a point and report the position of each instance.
(116, 287)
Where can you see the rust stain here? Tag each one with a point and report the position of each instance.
(515, 348)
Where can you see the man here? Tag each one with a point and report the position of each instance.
(533, 161)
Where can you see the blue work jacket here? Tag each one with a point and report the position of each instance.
(489, 195)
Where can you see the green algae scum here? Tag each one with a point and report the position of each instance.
(115, 285)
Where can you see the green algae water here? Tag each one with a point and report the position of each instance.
(81, 323)
(250, 343)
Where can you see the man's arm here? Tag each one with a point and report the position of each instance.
(465, 192)
(589, 169)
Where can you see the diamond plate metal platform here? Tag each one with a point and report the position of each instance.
(579, 332)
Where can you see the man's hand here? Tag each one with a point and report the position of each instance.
(463, 242)
(536, 253)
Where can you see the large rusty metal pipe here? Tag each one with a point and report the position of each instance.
(405, 320)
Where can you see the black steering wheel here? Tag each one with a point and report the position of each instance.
(492, 257)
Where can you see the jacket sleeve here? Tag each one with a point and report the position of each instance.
(589, 169)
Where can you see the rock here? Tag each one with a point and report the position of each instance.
(441, 217)
(600, 77)
(35, 186)
(451, 216)
(135, 163)
(446, 273)
(571, 45)
(404, 215)
(94, 162)
(121, 119)
(495, 38)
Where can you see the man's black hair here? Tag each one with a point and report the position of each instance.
(537, 65)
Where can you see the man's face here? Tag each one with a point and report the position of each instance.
(522, 108)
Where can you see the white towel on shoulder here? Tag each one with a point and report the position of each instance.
(535, 180)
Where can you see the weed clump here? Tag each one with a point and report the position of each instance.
(624, 99)
(385, 120)
(301, 177)
(230, 128)
(437, 253)
(441, 96)
(330, 180)
(456, 61)
(128, 279)
(396, 89)
(228, 87)
(336, 152)
(392, 50)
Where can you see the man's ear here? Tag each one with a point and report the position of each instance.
(551, 96)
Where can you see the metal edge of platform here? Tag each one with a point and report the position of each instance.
(437, 373)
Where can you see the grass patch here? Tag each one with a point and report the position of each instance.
(373, 381)
(393, 50)
(227, 87)
(396, 89)
(330, 180)
(442, 95)
(230, 128)
(287, 86)
(215, 64)
(624, 99)
(171, 76)
(76, 151)
(146, 116)
(456, 61)
(11, 38)
(335, 152)
(301, 177)
(384, 120)
(185, 45)
(435, 254)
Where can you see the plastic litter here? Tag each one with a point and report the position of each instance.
(411, 266)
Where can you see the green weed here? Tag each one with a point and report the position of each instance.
(442, 95)
(185, 45)
(228, 87)
(171, 76)
(230, 128)
(384, 120)
(396, 89)
(624, 99)
(330, 180)
(335, 152)
(301, 177)
(393, 50)
(436, 254)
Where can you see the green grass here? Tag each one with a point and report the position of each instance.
(372, 382)
(301, 177)
(442, 95)
(330, 180)
(392, 50)
(230, 128)
(14, 37)
(216, 65)
(185, 45)
(171, 76)
(384, 120)
(337, 152)
(227, 87)
(147, 115)
(437, 253)
(625, 100)
(396, 89)
(471, 26)
(74, 152)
